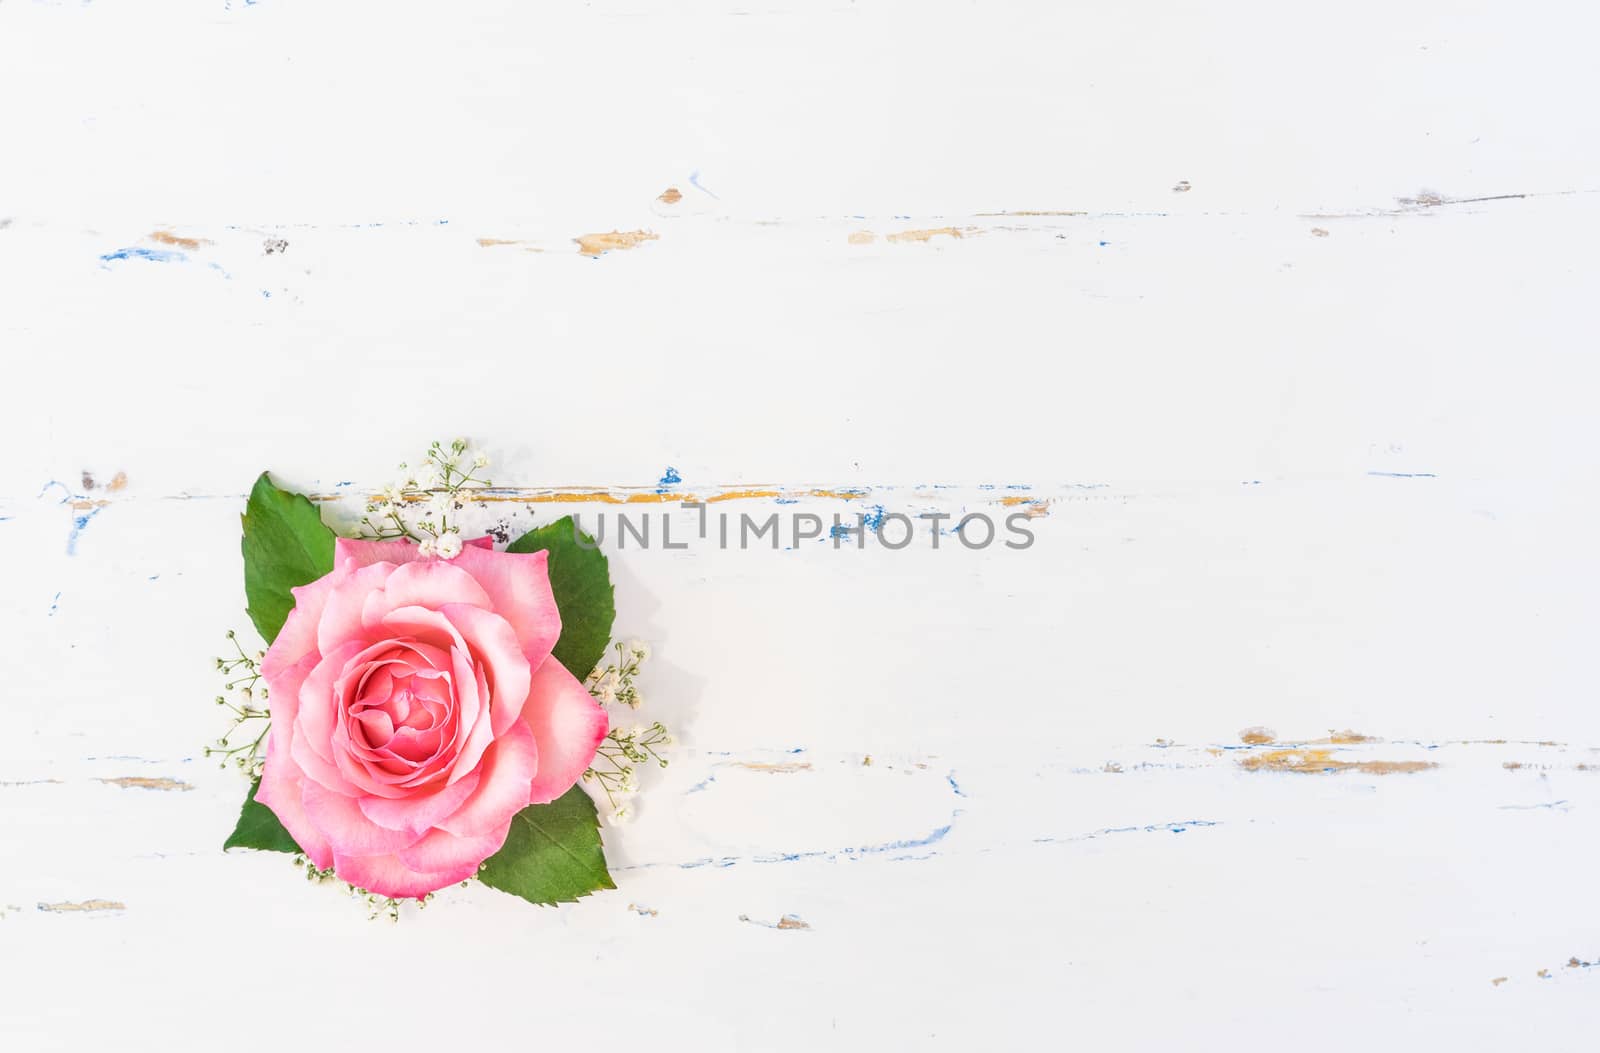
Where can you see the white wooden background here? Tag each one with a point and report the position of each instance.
(1280, 319)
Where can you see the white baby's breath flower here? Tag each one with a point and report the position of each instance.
(440, 504)
(639, 649)
(391, 494)
(620, 815)
(480, 460)
(425, 546)
(448, 546)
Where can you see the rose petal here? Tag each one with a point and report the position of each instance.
(442, 852)
(363, 553)
(346, 827)
(385, 875)
(419, 813)
(519, 585)
(567, 724)
(298, 637)
(429, 584)
(505, 779)
(495, 644)
(318, 713)
(280, 791)
(340, 622)
(283, 698)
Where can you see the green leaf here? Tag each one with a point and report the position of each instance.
(581, 582)
(259, 828)
(552, 854)
(285, 545)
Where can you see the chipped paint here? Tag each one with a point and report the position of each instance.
(781, 766)
(646, 912)
(1498, 980)
(140, 782)
(598, 244)
(1257, 736)
(927, 234)
(670, 196)
(1029, 212)
(166, 237)
(788, 921)
(862, 237)
(1318, 232)
(1322, 762)
(87, 906)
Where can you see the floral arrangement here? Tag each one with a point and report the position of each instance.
(428, 708)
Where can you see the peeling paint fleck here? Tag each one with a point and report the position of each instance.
(788, 921)
(140, 782)
(1182, 187)
(1257, 736)
(1498, 980)
(928, 234)
(1318, 232)
(82, 907)
(643, 911)
(1322, 762)
(862, 237)
(670, 196)
(782, 766)
(166, 237)
(597, 244)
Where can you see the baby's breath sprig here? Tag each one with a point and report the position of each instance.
(439, 484)
(623, 748)
(377, 906)
(235, 746)
(613, 682)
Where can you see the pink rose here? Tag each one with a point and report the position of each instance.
(416, 709)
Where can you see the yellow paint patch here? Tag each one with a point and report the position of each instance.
(1498, 980)
(596, 244)
(789, 921)
(862, 237)
(783, 766)
(670, 196)
(83, 907)
(1257, 736)
(928, 234)
(489, 243)
(986, 215)
(166, 237)
(139, 782)
(1323, 762)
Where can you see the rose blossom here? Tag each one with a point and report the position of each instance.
(416, 709)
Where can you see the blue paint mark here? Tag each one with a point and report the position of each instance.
(874, 519)
(900, 846)
(694, 181)
(951, 779)
(670, 477)
(153, 577)
(1404, 475)
(54, 604)
(79, 522)
(797, 749)
(701, 785)
(1103, 244)
(136, 253)
(1154, 828)
(1251, 482)
(266, 294)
